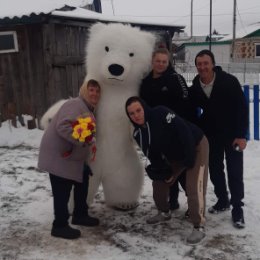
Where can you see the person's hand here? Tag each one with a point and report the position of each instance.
(93, 151)
(240, 143)
(170, 180)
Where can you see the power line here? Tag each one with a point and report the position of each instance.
(252, 7)
(240, 20)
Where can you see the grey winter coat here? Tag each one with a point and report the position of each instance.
(60, 154)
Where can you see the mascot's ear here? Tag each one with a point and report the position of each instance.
(151, 39)
(97, 27)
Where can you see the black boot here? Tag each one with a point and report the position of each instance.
(220, 206)
(238, 217)
(85, 221)
(174, 205)
(66, 232)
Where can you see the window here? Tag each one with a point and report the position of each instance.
(8, 42)
(257, 50)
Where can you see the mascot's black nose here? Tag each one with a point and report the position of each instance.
(116, 69)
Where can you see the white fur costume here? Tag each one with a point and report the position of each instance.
(118, 57)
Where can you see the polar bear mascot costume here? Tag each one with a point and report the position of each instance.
(117, 56)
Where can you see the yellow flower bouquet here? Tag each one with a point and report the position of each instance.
(84, 130)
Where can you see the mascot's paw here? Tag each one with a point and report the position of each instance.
(126, 206)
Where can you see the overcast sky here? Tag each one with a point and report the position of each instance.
(178, 12)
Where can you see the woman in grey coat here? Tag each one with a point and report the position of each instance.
(63, 152)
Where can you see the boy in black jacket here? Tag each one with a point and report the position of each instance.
(172, 145)
(164, 86)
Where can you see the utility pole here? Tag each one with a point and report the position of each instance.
(113, 8)
(234, 29)
(210, 25)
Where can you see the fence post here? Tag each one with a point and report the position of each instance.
(256, 112)
(246, 92)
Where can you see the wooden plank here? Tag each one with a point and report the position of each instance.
(83, 44)
(83, 32)
(36, 79)
(72, 50)
(74, 68)
(63, 60)
(25, 75)
(41, 100)
(48, 51)
(60, 73)
(2, 96)
(84, 24)
(47, 59)
(61, 41)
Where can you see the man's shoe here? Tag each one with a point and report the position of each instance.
(85, 221)
(66, 232)
(160, 217)
(174, 205)
(196, 236)
(219, 207)
(238, 217)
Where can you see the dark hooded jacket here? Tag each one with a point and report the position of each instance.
(225, 112)
(169, 90)
(167, 137)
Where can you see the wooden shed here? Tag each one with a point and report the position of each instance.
(46, 64)
(46, 60)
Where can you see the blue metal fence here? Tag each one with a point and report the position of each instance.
(252, 97)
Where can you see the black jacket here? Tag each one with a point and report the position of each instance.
(167, 136)
(225, 113)
(169, 90)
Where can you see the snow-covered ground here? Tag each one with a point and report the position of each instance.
(26, 215)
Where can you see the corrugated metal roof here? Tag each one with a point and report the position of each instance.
(243, 33)
(19, 8)
(25, 9)
(88, 14)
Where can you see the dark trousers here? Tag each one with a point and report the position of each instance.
(61, 189)
(174, 189)
(234, 165)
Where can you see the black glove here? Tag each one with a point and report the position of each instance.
(161, 173)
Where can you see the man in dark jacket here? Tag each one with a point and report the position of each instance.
(167, 139)
(224, 119)
(163, 86)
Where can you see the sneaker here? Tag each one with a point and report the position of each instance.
(160, 217)
(196, 236)
(174, 205)
(66, 232)
(219, 207)
(238, 217)
(85, 221)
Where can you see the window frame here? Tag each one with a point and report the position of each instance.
(14, 34)
(257, 45)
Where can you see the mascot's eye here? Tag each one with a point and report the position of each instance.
(107, 49)
(131, 54)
